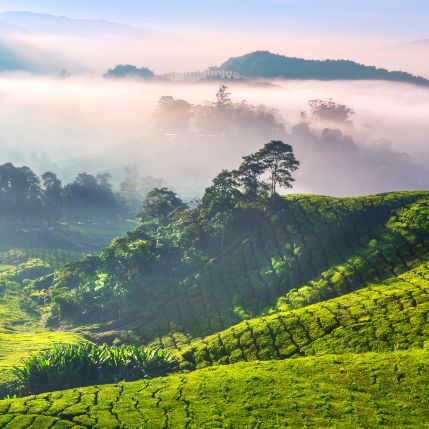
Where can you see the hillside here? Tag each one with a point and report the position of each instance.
(264, 64)
(299, 311)
(350, 391)
(27, 253)
(179, 279)
(379, 318)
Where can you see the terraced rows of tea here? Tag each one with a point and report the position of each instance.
(313, 249)
(21, 331)
(386, 317)
(350, 391)
(313, 314)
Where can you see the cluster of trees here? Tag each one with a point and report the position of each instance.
(259, 175)
(129, 71)
(172, 240)
(222, 116)
(26, 198)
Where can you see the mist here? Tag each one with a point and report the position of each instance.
(97, 125)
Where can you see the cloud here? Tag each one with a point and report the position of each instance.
(93, 125)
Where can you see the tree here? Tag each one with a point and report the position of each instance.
(91, 197)
(129, 71)
(249, 175)
(223, 97)
(329, 110)
(161, 205)
(223, 194)
(20, 193)
(103, 180)
(173, 116)
(53, 196)
(278, 160)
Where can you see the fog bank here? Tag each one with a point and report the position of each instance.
(94, 125)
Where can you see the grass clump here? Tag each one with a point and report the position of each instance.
(76, 365)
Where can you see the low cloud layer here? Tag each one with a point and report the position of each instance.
(94, 125)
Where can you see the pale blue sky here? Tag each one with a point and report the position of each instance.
(398, 19)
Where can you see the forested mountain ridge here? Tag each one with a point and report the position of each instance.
(264, 64)
(267, 65)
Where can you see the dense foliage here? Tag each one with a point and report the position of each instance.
(26, 198)
(75, 365)
(259, 278)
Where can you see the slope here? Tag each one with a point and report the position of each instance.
(350, 391)
(264, 64)
(179, 279)
(386, 317)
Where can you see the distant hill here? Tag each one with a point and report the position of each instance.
(39, 23)
(11, 61)
(264, 64)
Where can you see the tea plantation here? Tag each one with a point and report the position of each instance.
(25, 255)
(348, 391)
(308, 311)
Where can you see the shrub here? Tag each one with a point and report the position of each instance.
(68, 366)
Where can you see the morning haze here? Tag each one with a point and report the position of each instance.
(214, 214)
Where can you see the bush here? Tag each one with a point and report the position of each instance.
(77, 365)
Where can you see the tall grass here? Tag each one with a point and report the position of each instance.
(68, 366)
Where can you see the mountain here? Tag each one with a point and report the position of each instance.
(20, 55)
(39, 23)
(264, 64)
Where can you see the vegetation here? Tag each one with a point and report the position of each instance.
(378, 318)
(349, 391)
(15, 347)
(75, 365)
(197, 273)
(28, 199)
(264, 64)
(127, 71)
(220, 117)
(332, 293)
(26, 253)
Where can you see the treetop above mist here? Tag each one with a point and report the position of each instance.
(127, 70)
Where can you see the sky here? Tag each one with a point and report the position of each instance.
(389, 19)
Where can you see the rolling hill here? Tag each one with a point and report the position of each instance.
(307, 249)
(350, 391)
(264, 64)
(306, 311)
